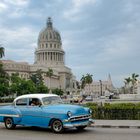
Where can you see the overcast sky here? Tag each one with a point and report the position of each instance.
(99, 37)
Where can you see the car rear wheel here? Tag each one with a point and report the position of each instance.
(9, 123)
(57, 126)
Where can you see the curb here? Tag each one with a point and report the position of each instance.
(114, 126)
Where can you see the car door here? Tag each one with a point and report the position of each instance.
(31, 115)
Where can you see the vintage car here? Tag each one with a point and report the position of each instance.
(45, 110)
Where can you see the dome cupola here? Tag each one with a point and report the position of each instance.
(49, 34)
(49, 50)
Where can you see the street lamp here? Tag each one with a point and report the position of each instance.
(100, 87)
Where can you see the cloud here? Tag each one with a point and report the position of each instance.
(19, 43)
(3, 7)
(14, 8)
(17, 2)
(76, 7)
(98, 36)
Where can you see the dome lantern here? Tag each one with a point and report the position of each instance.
(49, 22)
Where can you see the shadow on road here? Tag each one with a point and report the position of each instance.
(46, 130)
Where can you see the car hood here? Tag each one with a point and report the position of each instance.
(64, 108)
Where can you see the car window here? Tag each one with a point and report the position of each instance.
(52, 100)
(34, 102)
(21, 102)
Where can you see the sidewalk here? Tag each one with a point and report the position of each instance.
(117, 123)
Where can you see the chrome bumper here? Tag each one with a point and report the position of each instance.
(71, 125)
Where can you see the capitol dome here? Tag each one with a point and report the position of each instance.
(49, 33)
(49, 51)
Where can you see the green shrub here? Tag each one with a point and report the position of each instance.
(129, 111)
(8, 100)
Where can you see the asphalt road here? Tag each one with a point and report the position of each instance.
(28, 133)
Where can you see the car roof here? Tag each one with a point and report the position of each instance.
(36, 95)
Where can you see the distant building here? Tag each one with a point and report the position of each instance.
(137, 87)
(48, 54)
(98, 88)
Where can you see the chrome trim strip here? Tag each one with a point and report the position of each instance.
(81, 117)
(10, 115)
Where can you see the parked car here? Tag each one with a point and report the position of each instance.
(45, 110)
(75, 99)
(88, 98)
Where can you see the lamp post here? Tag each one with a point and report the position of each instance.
(100, 87)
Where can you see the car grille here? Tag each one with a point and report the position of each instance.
(82, 117)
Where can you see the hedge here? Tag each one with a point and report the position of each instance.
(123, 111)
(7, 100)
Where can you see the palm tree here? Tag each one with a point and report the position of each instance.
(1, 51)
(127, 82)
(86, 80)
(134, 80)
(83, 80)
(89, 79)
(49, 74)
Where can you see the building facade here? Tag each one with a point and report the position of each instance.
(99, 88)
(49, 54)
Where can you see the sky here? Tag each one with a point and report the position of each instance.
(99, 37)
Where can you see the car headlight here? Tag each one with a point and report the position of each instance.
(90, 111)
(69, 114)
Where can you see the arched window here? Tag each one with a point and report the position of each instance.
(50, 36)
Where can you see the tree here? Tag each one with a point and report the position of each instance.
(89, 78)
(37, 78)
(21, 86)
(130, 82)
(134, 80)
(4, 82)
(57, 91)
(49, 74)
(15, 82)
(83, 81)
(86, 80)
(4, 77)
(1, 51)
(127, 87)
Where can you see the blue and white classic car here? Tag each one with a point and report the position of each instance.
(45, 110)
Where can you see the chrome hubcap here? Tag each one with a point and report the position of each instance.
(57, 126)
(8, 123)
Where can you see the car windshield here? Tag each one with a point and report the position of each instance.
(52, 100)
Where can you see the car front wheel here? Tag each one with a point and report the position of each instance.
(57, 126)
(9, 123)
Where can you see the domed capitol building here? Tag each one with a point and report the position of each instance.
(49, 54)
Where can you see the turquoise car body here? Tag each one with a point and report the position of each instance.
(42, 116)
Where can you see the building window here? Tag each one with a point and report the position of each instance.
(50, 45)
(50, 36)
(54, 45)
(46, 45)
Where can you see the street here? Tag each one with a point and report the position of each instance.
(30, 133)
